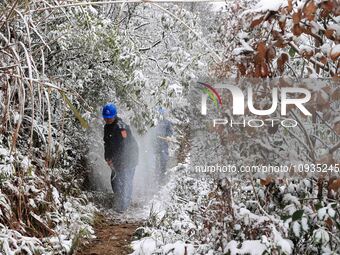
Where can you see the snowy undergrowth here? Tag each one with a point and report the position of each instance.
(195, 215)
(35, 217)
(57, 67)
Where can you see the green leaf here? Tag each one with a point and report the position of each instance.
(318, 206)
(297, 215)
(285, 217)
(163, 83)
(82, 121)
(337, 225)
(291, 52)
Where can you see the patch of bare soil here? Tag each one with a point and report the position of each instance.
(112, 237)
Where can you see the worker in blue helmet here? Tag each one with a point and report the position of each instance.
(121, 154)
(163, 134)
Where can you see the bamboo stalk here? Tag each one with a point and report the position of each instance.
(30, 77)
(48, 158)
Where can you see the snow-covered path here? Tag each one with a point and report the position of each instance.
(113, 236)
(114, 231)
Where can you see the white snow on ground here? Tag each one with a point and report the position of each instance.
(285, 244)
(146, 246)
(254, 247)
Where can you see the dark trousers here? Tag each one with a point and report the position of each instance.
(162, 157)
(122, 183)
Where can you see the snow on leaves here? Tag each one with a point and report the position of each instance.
(303, 26)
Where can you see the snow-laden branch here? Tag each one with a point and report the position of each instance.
(313, 60)
(123, 2)
(188, 27)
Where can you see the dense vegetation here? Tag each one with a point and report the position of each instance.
(59, 61)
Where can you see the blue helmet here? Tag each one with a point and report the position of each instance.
(109, 111)
(161, 110)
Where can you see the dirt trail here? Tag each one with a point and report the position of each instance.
(113, 231)
(113, 237)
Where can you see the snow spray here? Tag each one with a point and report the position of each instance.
(145, 181)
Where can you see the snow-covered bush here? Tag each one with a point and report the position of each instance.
(203, 215)
(41, 209)
(58, 65)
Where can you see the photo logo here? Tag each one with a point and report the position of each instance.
(238, 99)
(209, 91)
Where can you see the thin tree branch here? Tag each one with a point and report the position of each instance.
(313, 60)
(334, 148)
(125, 1)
